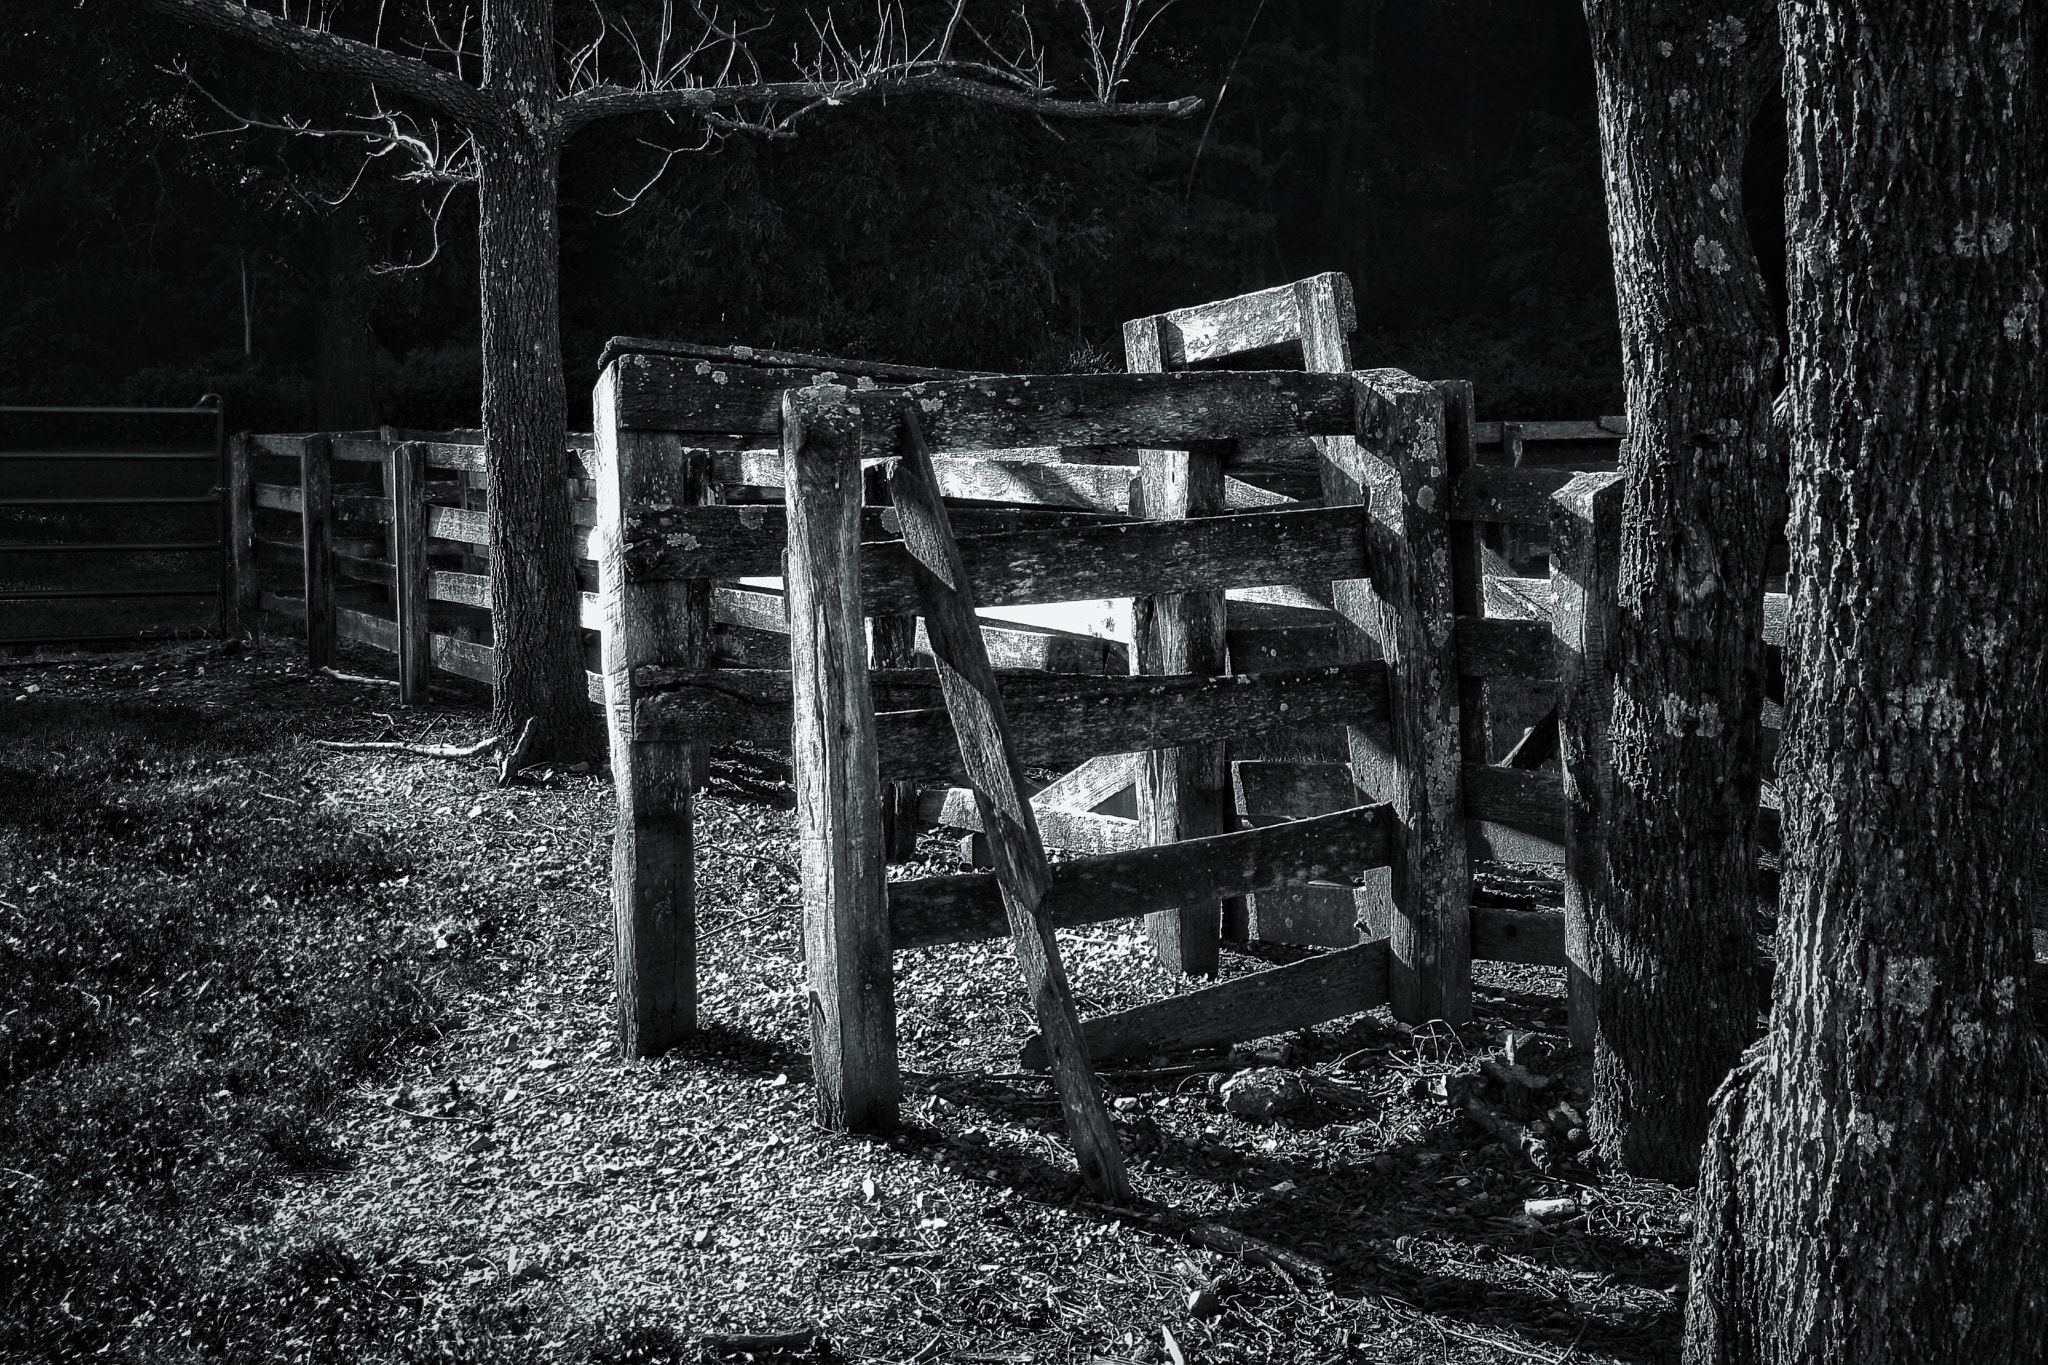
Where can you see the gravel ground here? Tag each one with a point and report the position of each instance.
(579, 1207)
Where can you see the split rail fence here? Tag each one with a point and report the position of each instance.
(1381, 545)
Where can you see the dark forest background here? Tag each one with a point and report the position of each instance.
(1443, 153)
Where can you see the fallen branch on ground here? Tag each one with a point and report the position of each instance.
(511, 751)
(362, 678)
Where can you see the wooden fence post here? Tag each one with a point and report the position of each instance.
(848, 955)
(405, 482)
(316, 521)
(649, 624)
(1408, 608)
(1183, 792)
(895, 640)
(1585, 571)
(245, 603)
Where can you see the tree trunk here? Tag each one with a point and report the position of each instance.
(1672, 905)
(536, 600)
(1876, 1187)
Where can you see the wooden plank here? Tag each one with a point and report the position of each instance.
(1014, 645)
(1136, 558)
(294, 607)
(1184, 792)
(1087, 487)
(467, 589)
(1139, 881)
(1091, 785)
(1053, 731)
(1533, 802)
(1075, 831)
(1022, 873)
(454, 523)
(464, 658)
(1269, 791)
(1249, 322)
(1478, 655)
(361, 569)
(1004, 412)
(1312, 915)
(847, 962)
(653, 858)
(1277, 1000)
(244, 602)
(756, 608)
(1585, 574)
(316, 523)
(1409, 611)
(277, 498)
(406, 485)
(365, 628)
(1119, 559)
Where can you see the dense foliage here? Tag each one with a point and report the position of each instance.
(1442, 153)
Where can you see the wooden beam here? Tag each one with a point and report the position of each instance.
(653, 855)
(839, 821)
(406, 485)
(1183, 792)
(1007, 412)
(1022, 873)
(1054, 719)
(316, 521)
(1249, 322)
(1408, 608)
(1338, 846)
(1276, 1000)
(1585, 574)
(1117, 717)
(244, 599)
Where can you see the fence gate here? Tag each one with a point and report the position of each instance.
(111, 524)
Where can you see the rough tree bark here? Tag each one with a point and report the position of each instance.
(1672, 903)
(1876, 1182)
(536, 597)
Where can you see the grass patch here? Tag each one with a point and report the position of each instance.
(196, 957)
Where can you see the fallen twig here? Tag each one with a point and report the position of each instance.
(510, 750)
(362, 678)
(1245, 1247)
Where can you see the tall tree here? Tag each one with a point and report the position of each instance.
(532, 97)
(1671, 909)
(1876, 1184)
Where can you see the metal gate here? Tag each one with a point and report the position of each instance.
(112, 523)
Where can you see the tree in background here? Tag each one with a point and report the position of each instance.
(508, 131)
(1671, 906)
(1876, 1181)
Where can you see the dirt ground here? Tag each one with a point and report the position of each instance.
(528, 1196)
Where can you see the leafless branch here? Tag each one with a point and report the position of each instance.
(314, 49)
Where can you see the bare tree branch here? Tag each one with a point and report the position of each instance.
(316, 49)
(601, 102)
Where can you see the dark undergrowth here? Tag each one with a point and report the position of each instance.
(197, 956)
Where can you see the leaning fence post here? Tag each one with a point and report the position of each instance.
(648, 622)
(316, 522)
(1408, 607)
(405, 481)
(244, 604)
(848, 957)
(1585, 571)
